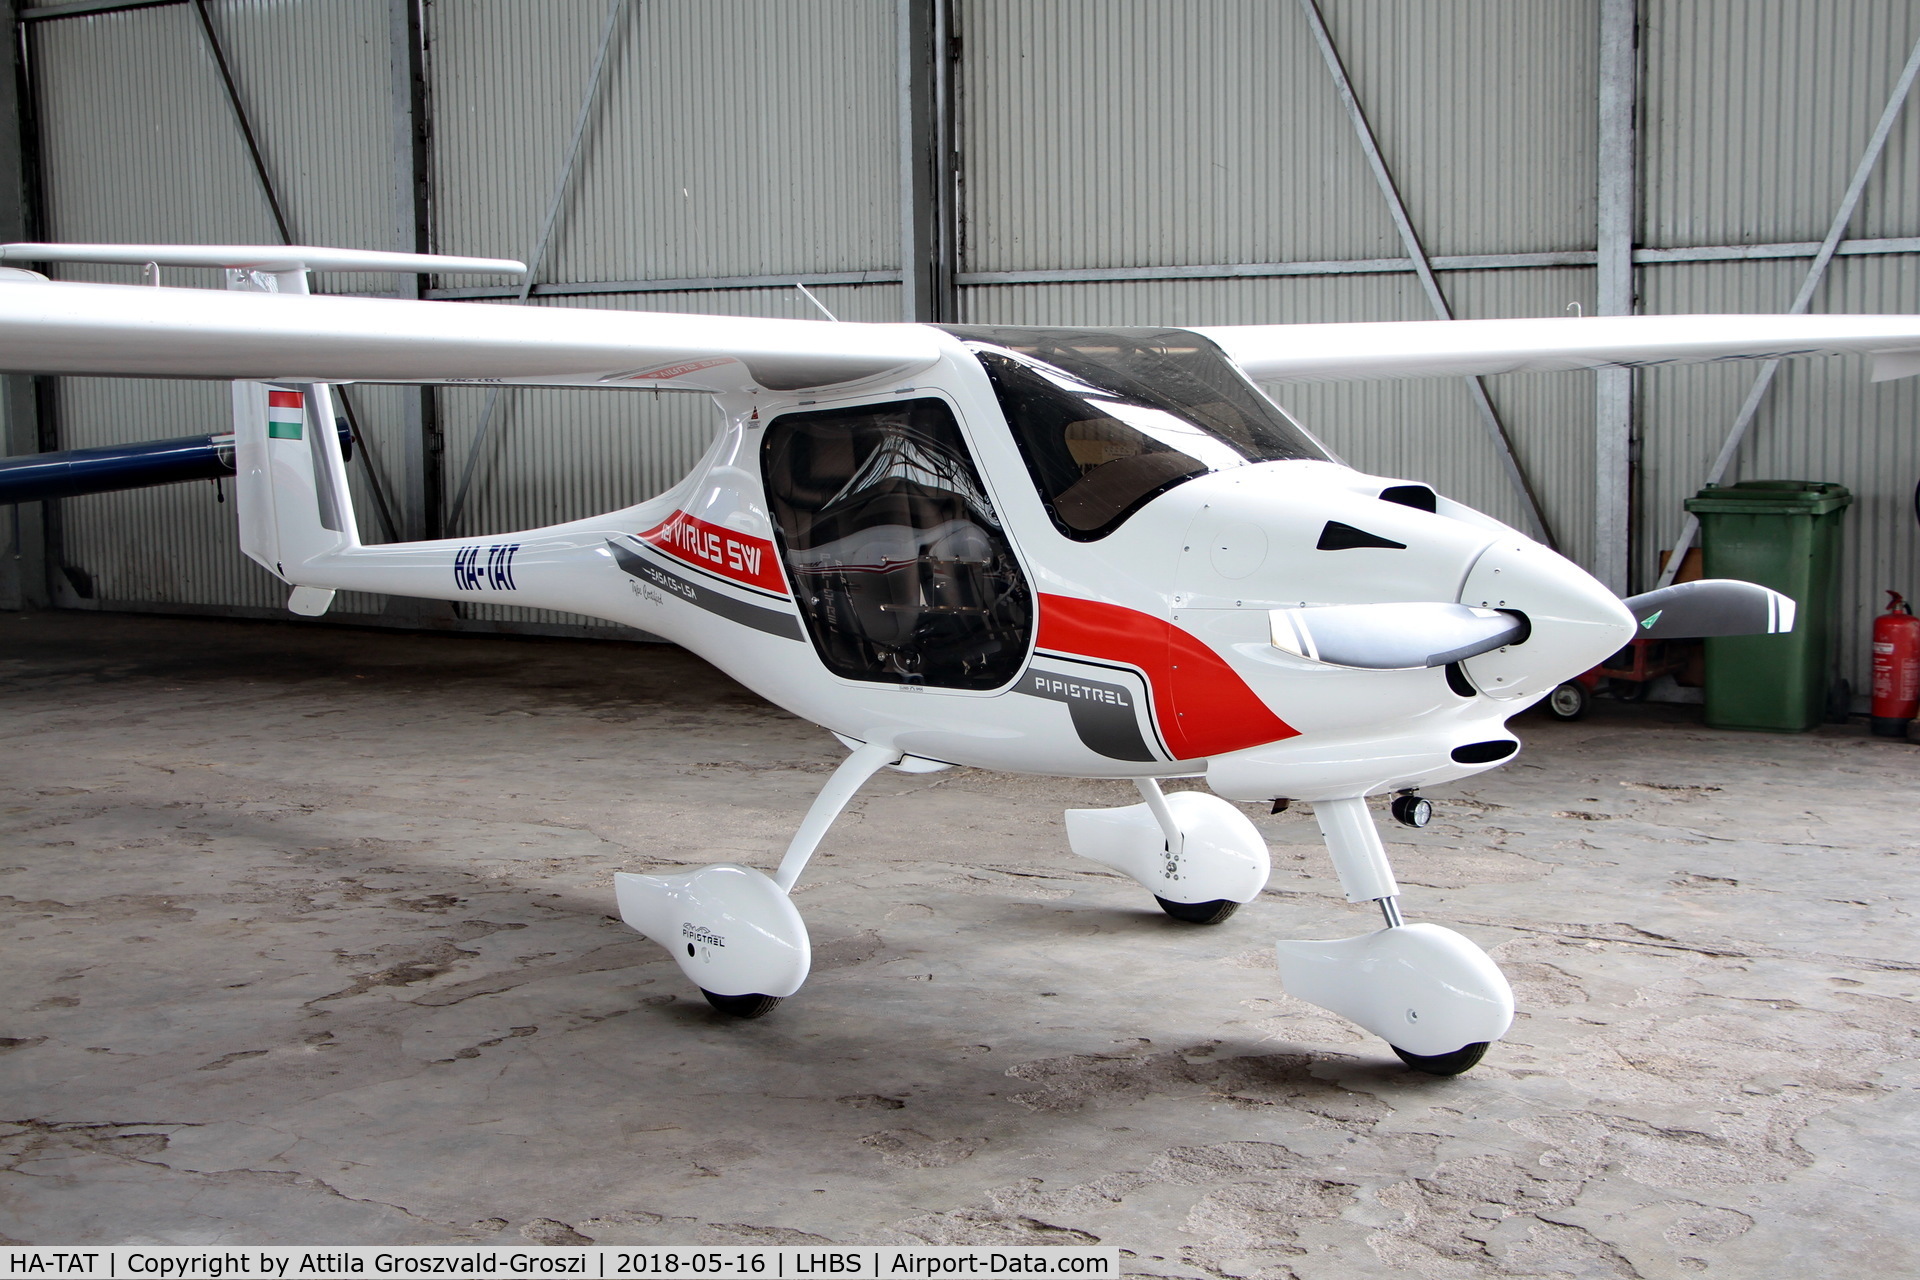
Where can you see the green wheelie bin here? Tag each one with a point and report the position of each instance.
(1783, 534)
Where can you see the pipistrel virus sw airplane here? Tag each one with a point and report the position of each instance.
(1096, 553)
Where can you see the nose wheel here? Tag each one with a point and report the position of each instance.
(1434, 997)
(1444, 1064)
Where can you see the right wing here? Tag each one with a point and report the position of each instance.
(1438, 348)
(149, 332)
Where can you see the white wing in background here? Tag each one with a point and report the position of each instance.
(147, 332)
(1438, 348)
(261, 257)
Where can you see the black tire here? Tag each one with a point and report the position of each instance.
(747, 1006)
(1444, 1064)
(1198, 912)
(1569, 701)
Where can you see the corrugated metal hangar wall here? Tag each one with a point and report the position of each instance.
(1005, 161)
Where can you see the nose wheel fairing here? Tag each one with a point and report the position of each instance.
(1422, 988)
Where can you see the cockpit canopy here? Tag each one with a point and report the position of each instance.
(1109, 419)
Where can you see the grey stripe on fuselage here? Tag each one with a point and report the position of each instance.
(771, 621)
(1103, 714)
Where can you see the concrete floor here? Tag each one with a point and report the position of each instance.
(309, 939)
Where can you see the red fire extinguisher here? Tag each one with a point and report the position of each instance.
(1896, 668)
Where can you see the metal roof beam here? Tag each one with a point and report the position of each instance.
(1438, 262)
(924, 37)
(86, 8)
(244, 120)
(1476, 389)
(589, 101)
(1615, 223)
(1869, 158)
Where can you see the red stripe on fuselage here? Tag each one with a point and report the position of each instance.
(739, 556)
(1201, 704)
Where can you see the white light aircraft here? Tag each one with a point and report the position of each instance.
(1096, 553)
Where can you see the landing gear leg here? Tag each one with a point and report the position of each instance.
(1430, 993)
(733, 930)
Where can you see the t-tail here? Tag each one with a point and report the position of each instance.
(295, 510)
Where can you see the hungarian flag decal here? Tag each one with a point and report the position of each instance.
(286, 410)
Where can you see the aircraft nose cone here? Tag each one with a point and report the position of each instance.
(1576, 622)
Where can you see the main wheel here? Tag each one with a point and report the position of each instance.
(1569, 701)
(1444, 1064)
(747, 1006)
(1198, 912)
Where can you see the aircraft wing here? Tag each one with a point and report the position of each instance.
(145, 331)
(260, 257)
(1436, 348)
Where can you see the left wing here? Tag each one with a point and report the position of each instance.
(1437, 348)
(148, 332)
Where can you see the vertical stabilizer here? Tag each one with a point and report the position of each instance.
(290, 487)
(291, 481)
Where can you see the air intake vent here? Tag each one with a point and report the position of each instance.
(1344, 537)
(1417, 496)
(1484, 752)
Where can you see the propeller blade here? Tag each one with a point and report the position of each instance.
(1711, 607)
(1393, 637)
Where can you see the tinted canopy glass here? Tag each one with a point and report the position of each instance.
(898, 561)
(1107, 419)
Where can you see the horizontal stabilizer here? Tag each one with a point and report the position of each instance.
(1393, 637)
(1710, 607)
(1435, 348)
(260, 257)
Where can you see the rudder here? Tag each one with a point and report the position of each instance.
(290, 478)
